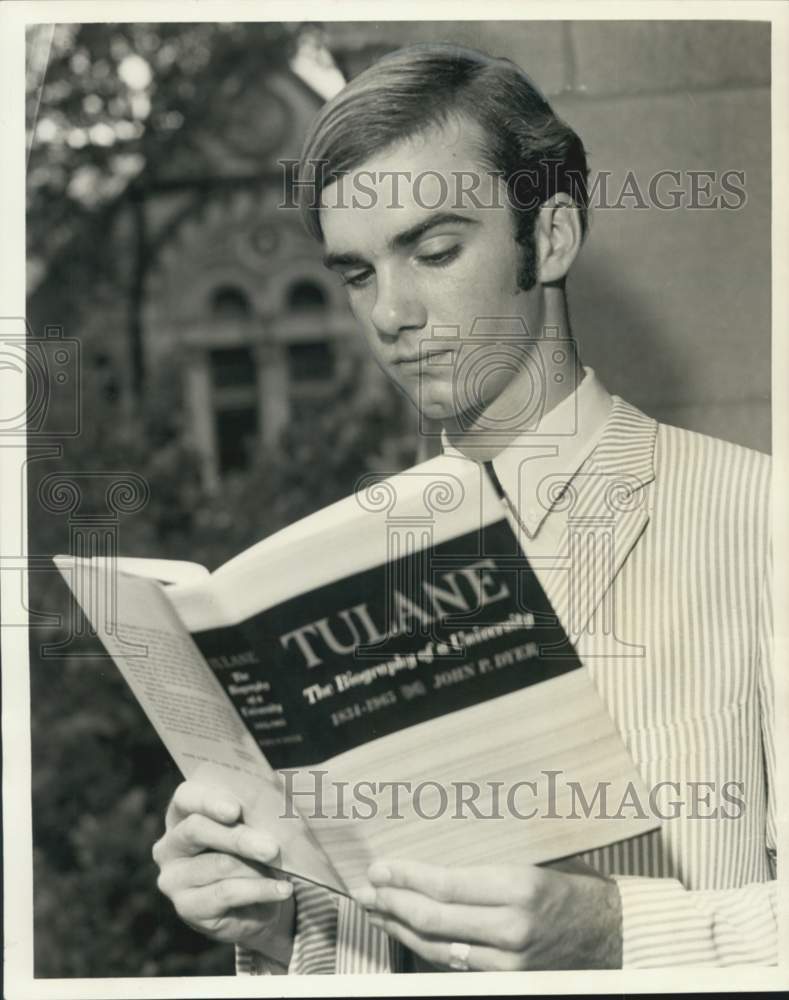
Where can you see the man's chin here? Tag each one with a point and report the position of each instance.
(436, 410)
(436, 405)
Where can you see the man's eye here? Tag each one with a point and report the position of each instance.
(440, 257)
(356, 279)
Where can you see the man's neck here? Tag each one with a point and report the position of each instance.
(551, 373)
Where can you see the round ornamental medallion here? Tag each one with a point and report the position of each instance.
(255, 124)
(258, 244)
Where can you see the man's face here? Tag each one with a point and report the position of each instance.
(424, 261)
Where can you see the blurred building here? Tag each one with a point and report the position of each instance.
(239, 292)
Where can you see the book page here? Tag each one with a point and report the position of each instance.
(506, 781)
(440, 499)
(187, 706)
(443, 669)
(163, 570)
(401, 638)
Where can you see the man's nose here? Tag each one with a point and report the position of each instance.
(397, 308)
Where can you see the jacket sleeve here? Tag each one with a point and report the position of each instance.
(314, 939)
(665, 924)
(332, 935)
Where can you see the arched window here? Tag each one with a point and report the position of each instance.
(306, 294)
(229, 302)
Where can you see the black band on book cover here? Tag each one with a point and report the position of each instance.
(430, 632)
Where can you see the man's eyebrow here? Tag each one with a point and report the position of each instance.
(401, 240)
(410, 236)
(334, 260)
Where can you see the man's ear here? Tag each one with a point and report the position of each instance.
(558, 237)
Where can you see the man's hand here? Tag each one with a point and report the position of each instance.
(211, 866)
(513, 916)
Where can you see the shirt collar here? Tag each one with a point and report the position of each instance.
(534, 467)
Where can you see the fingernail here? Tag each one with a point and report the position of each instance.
(284, 888)
(379, 873)
(365, 896)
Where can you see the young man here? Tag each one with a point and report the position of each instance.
(452, 203)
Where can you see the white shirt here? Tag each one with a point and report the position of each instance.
(695, 703)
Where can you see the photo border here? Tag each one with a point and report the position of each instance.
(18, 902)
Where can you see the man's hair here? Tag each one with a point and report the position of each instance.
(422, 86)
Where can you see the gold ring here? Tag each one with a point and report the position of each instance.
(458, 956)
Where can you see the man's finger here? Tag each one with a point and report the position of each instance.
(207, 800)
(217, 900)
(204, 869)
(495, 926)
(482, 885)
(197, 834)
(480, 958)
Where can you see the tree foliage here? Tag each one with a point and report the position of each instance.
(104, 120)
(113, 103)
(101, 779)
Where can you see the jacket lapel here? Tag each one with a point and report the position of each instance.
(607, 511)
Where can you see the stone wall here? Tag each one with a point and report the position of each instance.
(671, 306)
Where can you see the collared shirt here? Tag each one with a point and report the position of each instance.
(534, 467)
(685, 671)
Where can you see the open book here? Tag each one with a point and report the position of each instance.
(384, 678)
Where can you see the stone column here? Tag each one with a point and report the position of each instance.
(273, 385)
(202, 419)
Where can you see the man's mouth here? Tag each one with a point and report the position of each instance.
(423, 361)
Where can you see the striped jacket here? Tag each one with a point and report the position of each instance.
(672, 617)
